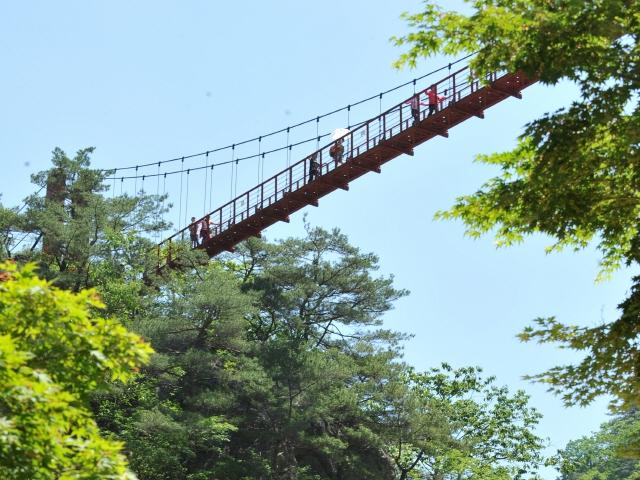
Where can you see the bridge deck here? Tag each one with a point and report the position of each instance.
(365, 149)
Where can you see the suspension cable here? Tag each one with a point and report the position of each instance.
(164, 193)
(180, 210)
(235, 187)
(10, 250)
(333, 112)
(186, 201)
(233, 151)
(241, 159)
(260, 161)
(206, 173)
(157, 200)
(211, 189)
(286, 147)
(380, 124)
(289, 149)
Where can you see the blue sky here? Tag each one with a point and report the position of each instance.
(146, 81)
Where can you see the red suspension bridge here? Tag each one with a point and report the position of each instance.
(363, 149)
(360, 149)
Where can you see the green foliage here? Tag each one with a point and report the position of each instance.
(80, 238)
(178, 418)
(608, 347)
(54, 350)
(607, 454)
(574, 175)
(271, 364)
(8, 218)
(472, 428)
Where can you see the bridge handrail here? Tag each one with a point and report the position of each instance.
(241, 207)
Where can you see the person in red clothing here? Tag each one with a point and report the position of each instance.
(434, 99)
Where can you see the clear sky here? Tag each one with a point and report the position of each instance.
(149, 80)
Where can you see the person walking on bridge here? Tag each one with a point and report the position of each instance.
(336, 151)
(434, 99)
(193, 233)
(205, 230)
(415, 103)
(314, 167)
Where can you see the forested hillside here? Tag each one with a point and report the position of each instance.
(268, 363)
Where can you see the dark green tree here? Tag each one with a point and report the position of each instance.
(609, 454)
(268, 355)
(319, 309)
(272, 364)
(176, 420)
(452, 424)
(80, 237)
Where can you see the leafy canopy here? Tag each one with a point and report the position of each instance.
(575, 173)
(608, 453)
(452, 423)
(271, 363)
(55, 350)
(80, 237)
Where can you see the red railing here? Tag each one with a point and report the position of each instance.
(358, 141)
